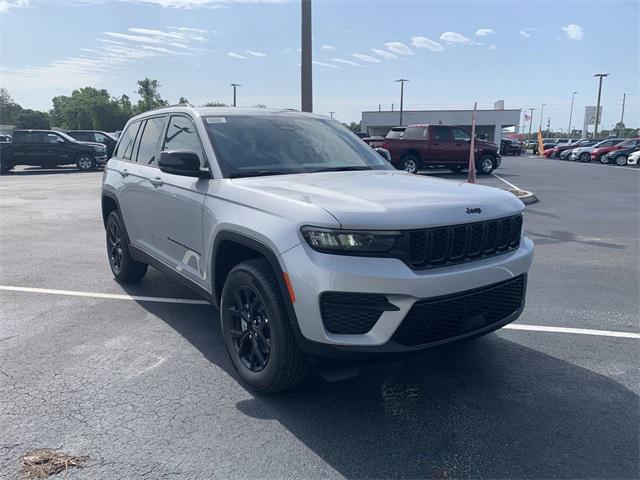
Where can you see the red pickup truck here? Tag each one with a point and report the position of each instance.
(440, 146)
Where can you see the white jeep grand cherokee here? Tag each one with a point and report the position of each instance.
(311, 244)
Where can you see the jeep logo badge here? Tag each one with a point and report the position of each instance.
(474, 210)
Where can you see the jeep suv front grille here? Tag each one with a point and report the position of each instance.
(441, 246)
(435, 319)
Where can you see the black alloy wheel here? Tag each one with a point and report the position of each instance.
(250, 329)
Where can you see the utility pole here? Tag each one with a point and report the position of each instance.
(331, 113)
(392, 107)
(541, 112)
(571, 114)
(530, 122)
(379, 107)
(624, 97)
(601, 76)
(306, 66)
(549, 125)
(235, 85)
(402, 80)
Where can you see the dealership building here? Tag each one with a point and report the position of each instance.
(489, 123)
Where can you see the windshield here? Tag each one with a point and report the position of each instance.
(395, 134)
(247, 146)
(628, 143)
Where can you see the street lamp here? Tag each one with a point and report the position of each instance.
(601, 76)
(235, 85)
(571, 114)
(402, 80)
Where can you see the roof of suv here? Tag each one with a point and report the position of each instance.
(227, 111)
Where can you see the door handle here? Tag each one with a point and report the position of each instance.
(157, 182)
(124, 173)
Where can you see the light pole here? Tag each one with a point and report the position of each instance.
(541, 112)
(530, 123)
(235, 85)
(601, 76)
(624, 98)
(571, 113)
(402, 80)
(306, 66)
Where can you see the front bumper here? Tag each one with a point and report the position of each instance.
(101, 159)
(312, 274)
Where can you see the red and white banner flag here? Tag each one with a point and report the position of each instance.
(472, 149)
(527, 118)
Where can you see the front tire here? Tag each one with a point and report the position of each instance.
(124, 268)
(585, 157)
(85, 162)
(603, 159)
(410, 164)
(486, 165)
(257, 331)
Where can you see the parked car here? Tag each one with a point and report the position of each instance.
(361, 134)
(583, 154)
(47, 149)
(510, 146)
(600, 152)
(633, 158)
(375, 141)
(620, 157)
(561, 147)
(563, 141)
(311, 243)
(396, 132)
(440, 146)
(95, 136)
(546, 144)
(565, 153)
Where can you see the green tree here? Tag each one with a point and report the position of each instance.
(215, 104)
(32, 119)
(353, 126)
(90, 108)
(150, 97)
(9, 109)
(183, 100)
(259, 105)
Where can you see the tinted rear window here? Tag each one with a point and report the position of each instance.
(395, 134)
(415, 133)
(128, 137)
(148, 147)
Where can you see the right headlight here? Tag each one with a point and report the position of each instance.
(331, 240)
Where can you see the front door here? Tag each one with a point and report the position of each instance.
(441, 144)
(461, 146)
(177, 218)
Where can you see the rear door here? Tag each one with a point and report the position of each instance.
(29, 148)
(177, 218)
(441, 144)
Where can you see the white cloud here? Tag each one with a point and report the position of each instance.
(424, 42)
(346, 62)
(328, 47)
(483, 32)
(191, 4)
(327, 65)
(253, 53)
(133, 38)
(6, 5)
(525, 34)
(383, 53)
(365, 58)
(492, 47)
(453, 37)
(573, 32)
(236, 55)
(399, 48)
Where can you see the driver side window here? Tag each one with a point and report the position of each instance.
(461, 135)
(182, 135)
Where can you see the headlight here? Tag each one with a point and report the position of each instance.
(349, 241)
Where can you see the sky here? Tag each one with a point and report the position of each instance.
(454, 53)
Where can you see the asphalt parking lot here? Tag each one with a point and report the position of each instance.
(144, 388)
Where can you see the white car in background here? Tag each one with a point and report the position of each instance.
(634, 158)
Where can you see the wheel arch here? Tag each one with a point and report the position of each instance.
(109, 204)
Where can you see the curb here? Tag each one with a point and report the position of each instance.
(524, 196)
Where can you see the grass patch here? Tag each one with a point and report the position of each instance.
(44, 462)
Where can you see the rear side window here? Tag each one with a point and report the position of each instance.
(415, 133)
(182, 135)
(127, 139)
(148, 148)
(30, 137)
(101, 138)
(82, 136)
(441, 133)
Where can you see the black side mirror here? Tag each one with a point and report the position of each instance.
(182, 162)
(384, 152)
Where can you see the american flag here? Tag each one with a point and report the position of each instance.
(527, 117)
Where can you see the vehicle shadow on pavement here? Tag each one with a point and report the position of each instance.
(489, 408)
(559, 236)
(46, 171)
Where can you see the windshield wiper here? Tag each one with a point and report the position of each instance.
(257, 173)
(345, 168)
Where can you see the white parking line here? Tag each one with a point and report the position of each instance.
(508, 183)
(113, 296)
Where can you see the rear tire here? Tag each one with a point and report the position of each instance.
(486, 164)
(603, 159)
(621, 160)
(85, 162)
(124, 268)
(410, 164)
(257, 330)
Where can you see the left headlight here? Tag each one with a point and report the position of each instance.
(349, 241)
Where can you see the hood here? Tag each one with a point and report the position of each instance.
(383, 199)
(92, 144)
(485, 144)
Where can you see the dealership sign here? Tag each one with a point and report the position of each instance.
(590, 115)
